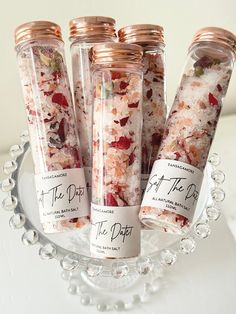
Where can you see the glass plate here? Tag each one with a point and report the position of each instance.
(95, 279)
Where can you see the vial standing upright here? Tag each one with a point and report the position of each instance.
(174, 184)
(59, 176)
(117, 132)
(85, 32)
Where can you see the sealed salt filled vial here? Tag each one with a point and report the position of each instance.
(151, 39)
(85, 32)
(59, 176)
(174, 184)
(117, 132)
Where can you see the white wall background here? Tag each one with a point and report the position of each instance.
(180, 20)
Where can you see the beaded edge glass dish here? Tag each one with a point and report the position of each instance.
(86, 275)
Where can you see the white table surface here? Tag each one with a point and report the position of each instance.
(203, 282)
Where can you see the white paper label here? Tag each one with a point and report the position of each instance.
(175, 186)
(62, 194)
(115, 231)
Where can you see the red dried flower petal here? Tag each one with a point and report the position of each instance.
(183, 220)
(110, 200)
(116, 121)
(123, 121)
(212, 100)
(204, 62)
(219, 87)
(56, 75)
(149, 94)
(131, 158)
(63, 130)
(49, 93)
(73, 220)
(48, 120)
(123, 143)
(156, 139)
(32, 112)
(115, 75)
(123, 85)
(133, 104)
(60, 99)
(177, 155)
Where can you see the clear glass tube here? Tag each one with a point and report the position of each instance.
(154, 105)
(83, 97)
(116, 137)
(188, 135)
(51, 122)
(116, 174)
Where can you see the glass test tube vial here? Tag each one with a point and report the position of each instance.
(174, 184)
(117, 131)
(151, 39)
(85, 32)
(59, 176)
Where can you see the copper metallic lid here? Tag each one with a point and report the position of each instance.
(93, 27)
(142, 34)
(37, 30)
(117, 53)
(216, 35)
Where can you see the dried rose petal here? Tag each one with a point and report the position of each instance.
(123, 143)
(204, 62)
(183, 220)
(110, 200)
(123, 85)
(48, 120)
(123, 121)
(63, 129)
(133, 104)
(177, 155)
(149, 94)
(60, 99)
(115, 75)
(131, 158)
(212, 100)
(73, 220)
(219, 87)
(156, 139)
(56, 75)
(48, 93)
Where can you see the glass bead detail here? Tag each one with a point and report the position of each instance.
(48, 251)
(218, 176)
(17, 221)
(30, 237)
(8, 185)
(94, 267)
(144, 265)
(202, 230)
(214, 159)
(119, 269)
(168, 257)
(213, 213)
(187, 245)
(10, 166)
(218, 195)
(9, 203)
(16, 150)
(119, 306)
(70, 261)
